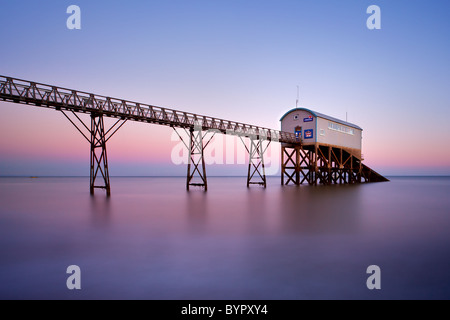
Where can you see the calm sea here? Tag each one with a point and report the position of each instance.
(154, 240)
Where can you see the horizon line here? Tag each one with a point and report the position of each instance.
(211, 176)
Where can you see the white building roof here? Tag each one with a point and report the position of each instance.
(324, 116)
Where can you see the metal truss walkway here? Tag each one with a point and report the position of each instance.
(73, 101)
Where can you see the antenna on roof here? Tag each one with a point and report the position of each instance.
(298, 96)
(346, 116)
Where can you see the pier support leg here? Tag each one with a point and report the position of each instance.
(304, 165)
(341, 168)
(323, 165)
(196, 161)
(359, 171)
(97, 138)
(290, 165)
(256, 163)
(330, 163)
(99, 158)
(315, 169)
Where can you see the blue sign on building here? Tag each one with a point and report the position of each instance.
(308, 134)
(309, 119)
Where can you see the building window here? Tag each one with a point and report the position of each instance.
(340, 128)
(322, 132)
(296, 117)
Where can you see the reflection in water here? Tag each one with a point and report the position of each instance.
(197, 211)
(255, 214)
(154, 240)
(320, 209)
(100, 210)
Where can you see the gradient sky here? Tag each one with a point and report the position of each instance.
(238, 60)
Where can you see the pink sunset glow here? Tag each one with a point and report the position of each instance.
(245, 71)
(45, 135)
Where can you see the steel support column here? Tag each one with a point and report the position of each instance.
(196, 160)
(99, 158)
(292, 157)
(97, 138)
(256, 163)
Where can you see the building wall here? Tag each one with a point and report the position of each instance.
(302, 119)
(325, 135)
(321, 133)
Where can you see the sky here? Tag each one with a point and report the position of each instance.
(237, 60)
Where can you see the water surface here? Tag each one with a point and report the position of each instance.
(154, 240)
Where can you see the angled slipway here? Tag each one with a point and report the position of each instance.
(319, 168)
